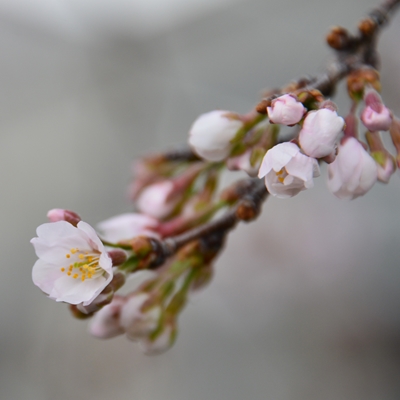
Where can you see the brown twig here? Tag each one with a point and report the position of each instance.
(352, 53)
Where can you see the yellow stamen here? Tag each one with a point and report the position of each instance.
(62, 269)
(69, 273)
(68, 255)
(83, 277)
(73, 251)
(75, 276)
(81, 256)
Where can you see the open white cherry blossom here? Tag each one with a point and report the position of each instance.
(73, 265)
(287, 171)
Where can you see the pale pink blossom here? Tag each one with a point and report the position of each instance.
(320, 132)
(287, 171)
(73, 265)
(158, 200)
(242, 163)
(211, 134)
(161, 343)
(354, 171)
(286, 110)
(105, 323)
(375, 116)
(127, 226)
(138, 318)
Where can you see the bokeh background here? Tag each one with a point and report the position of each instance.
(305, 301)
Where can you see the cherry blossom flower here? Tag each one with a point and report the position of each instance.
(73, 265)
(353, 172)
(211, 134)
(287, 171)
(126, 226)
(138, 318)
(105, 323)
(286, 110)
(320, 132)
(375, 116)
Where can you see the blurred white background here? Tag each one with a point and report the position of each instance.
(304, 303)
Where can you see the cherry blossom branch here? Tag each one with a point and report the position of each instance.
(176, 192)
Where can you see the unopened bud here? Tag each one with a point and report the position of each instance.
(286, 110)
(320, 132)
(58, 214)
(246, 211)
(367, 26)
(211, 134)
(357, 80)
(375, 116)
(338, 38)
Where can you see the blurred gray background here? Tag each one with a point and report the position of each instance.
(305, 301)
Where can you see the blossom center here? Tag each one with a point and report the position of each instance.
(84, 265)
(281, 174)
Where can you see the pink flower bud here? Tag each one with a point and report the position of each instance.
(158, 200)
(105, 323)
(375, 116)
(127, 226)
(354, 171)
(286, 110)
(138, 318)
(211, 134)
(320, 132)
(287, 171)
(58, 214)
